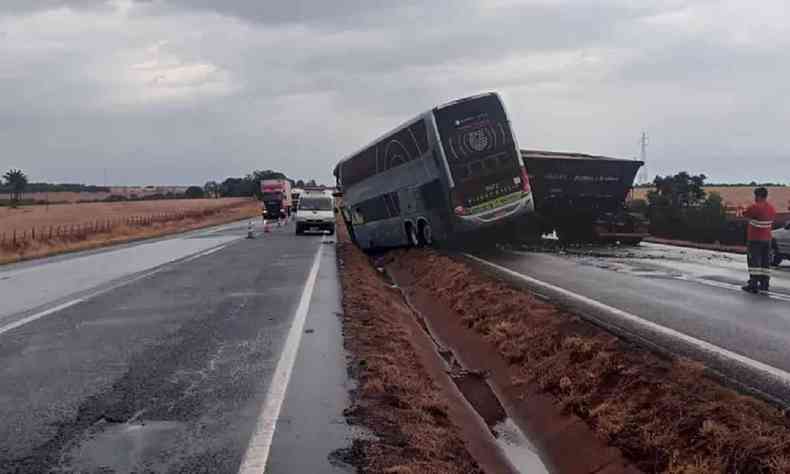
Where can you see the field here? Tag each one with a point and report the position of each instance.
(740, 195)
(36, 231)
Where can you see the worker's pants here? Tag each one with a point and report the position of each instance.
(759, 259)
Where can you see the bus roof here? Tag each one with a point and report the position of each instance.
(406, 124)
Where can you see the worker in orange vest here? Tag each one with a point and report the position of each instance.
(761, 216)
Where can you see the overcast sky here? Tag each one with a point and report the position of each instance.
(182, 91)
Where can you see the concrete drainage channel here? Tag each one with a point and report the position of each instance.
(530, 433)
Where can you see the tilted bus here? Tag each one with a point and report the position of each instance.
(451, 170)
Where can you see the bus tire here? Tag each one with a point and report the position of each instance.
(424, 233)
(411, 235)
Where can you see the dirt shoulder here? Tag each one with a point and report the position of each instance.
(409, 415)
(664, 415)
(96, 225)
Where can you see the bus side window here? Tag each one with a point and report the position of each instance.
(357, 217)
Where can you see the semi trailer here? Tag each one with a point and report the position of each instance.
(276, 198)
(583, 197)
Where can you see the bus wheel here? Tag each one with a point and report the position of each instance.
(425, 233)
(411, 235)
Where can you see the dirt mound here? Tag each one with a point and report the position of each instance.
(664, 415)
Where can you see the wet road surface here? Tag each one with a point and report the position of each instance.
(695, 292)
(168, 365)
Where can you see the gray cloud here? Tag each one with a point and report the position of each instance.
(188, 90)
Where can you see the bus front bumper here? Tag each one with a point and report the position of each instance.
(487, 218)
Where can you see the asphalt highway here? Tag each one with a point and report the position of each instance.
(693, 292)
(205, 352)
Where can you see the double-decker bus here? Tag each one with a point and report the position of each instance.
(451, 170)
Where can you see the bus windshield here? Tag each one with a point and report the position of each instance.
(315, 204)
(480, 150)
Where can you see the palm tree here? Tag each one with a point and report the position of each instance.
(211, 188)
(17, 181)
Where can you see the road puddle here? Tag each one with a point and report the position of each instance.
(518, 449)
(123, 447)
(510, 439)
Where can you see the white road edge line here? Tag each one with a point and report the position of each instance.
(257, 454)
(724, 353)
(39, 315)
(68, 304)
(699, 280)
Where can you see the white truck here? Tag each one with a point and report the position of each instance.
(781, 244)
(316, 213)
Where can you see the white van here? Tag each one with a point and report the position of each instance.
(316, 213)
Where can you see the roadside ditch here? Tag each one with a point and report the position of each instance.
(461, 372)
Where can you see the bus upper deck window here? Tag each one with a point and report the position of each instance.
(490, 164)
(463, 172)
(476, 168)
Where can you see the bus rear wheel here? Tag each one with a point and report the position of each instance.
(411, 235)
(425, 233)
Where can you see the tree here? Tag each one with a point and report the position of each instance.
(257, 176)
(299, 183)
(194, 192)
(17, 182)
(211, 188)
(680, 208)
(678, 191)
(236, 187)
(311, 184)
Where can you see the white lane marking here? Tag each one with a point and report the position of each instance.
(204, 253)
(257, 454)
(68, 304)
(73, 302)
(778, 374)
(39, 315)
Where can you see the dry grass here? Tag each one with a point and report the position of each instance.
(664, 415)
(395, 398)
(168, 217)
(39, 217)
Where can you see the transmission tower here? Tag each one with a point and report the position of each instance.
(644, 177)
